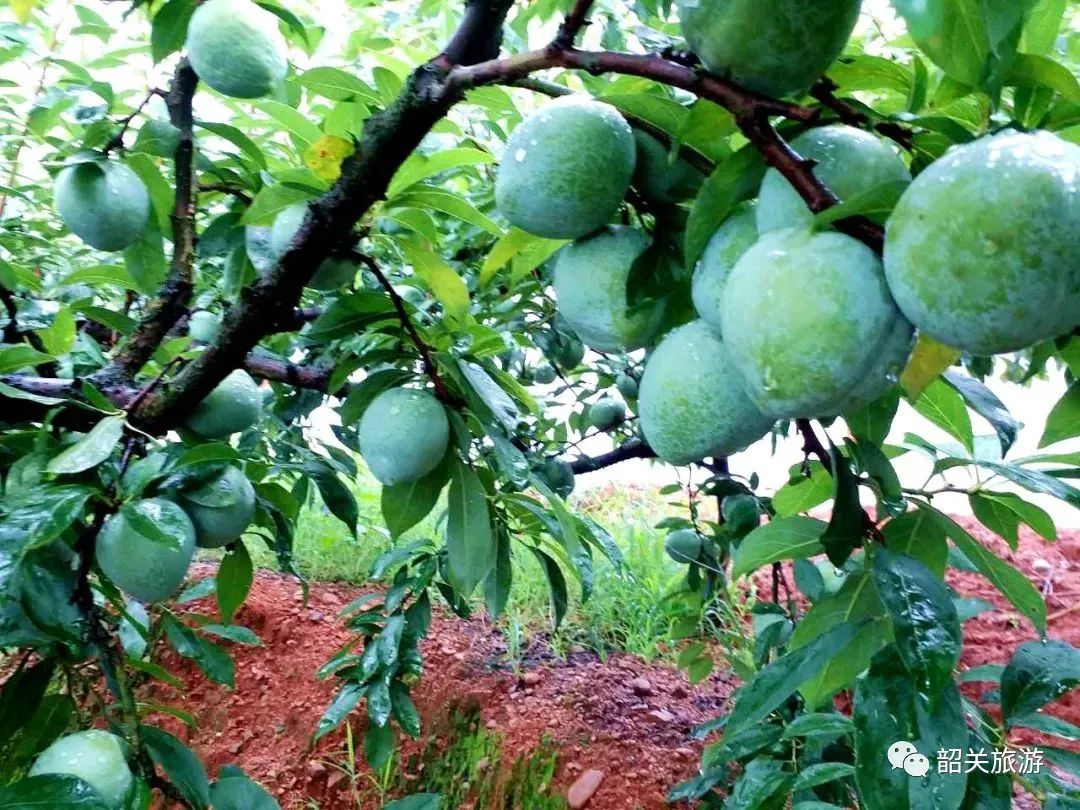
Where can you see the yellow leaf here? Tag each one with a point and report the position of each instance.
(23, 9)
(926, 363)
(325, 156)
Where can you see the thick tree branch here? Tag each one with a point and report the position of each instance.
(171, 303)
(632, 448)
(317, 378)
(389, 138)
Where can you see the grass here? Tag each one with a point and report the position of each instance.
(627, 611)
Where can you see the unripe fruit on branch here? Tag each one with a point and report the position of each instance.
(590, 285)
(403, 435)
(983, 250)
(103, 203)
(221, 509)
(558, 475)
(236, 48)
(807, 316)
(332, 274)
(233, 406)
(147, 568)
(691, 401)
(775, 47)
(606, 413)
(732, 239)
(204, 326)
(683, 546)
(849, 162)
(566, 168)
(97, 757)
(659, 179)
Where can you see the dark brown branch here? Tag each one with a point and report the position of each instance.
(171, 302)
(117, 140)
(825, 92)
(576, 19)
(751, 110)
(431, 368)
(389, 138)
(632, 448)
(317, 378)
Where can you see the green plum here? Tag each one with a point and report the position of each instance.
(591, 275)
(982, 252)
(806, 318)
(692, 403)
(736, 235)
(566, 168)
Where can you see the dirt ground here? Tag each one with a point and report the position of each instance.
(620, 716)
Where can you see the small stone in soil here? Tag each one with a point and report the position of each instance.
(641, 686)
(530, 678)
(583, 789)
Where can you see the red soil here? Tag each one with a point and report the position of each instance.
(590, 708)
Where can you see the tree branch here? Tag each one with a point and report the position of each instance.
(389, 138)
(317, 378)
(751, 111)
(632, 448)
(117, 140)
(576, 19)
(825, 92)
(171, 303)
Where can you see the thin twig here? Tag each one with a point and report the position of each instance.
(576, 19)
(431, 368)
(825, 92)
(117, 141)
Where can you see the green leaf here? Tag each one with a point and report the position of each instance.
(21, 695)
(1064, 420)
(443, 281)
(917, 535)
(169, 28)
(15, 357)
(347, 699)
(1047, 724)
(60, 336)
(514, 243)
(499, 580)
(91, 450)
(871, 424)
(821, 773)
(145, 260)
(985, 403)
(403, 709)
(1029, 70)
(856, 602)
(776, 683)
(847, 522)
(1012, 584)
(928, 360)
(1003, 512)
(470, 541)
(733, 181)
(237, 138)
(420, 167)
(438, 199)
(804, 494)
(889, 708)
(338, 498)
(818, 724)
(234, 578)
(873, 203)
(292, 120)
(1035, 481)
(271, 201)
(405, 505)
(942, 405)
(51, 792)
(336, 85)
(783, 539)
(557, 590)
(211, 659)
(240, 793)
(1038, 672)
(925, 625)
(180, 764)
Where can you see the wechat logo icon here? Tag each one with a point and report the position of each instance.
(903, 755)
